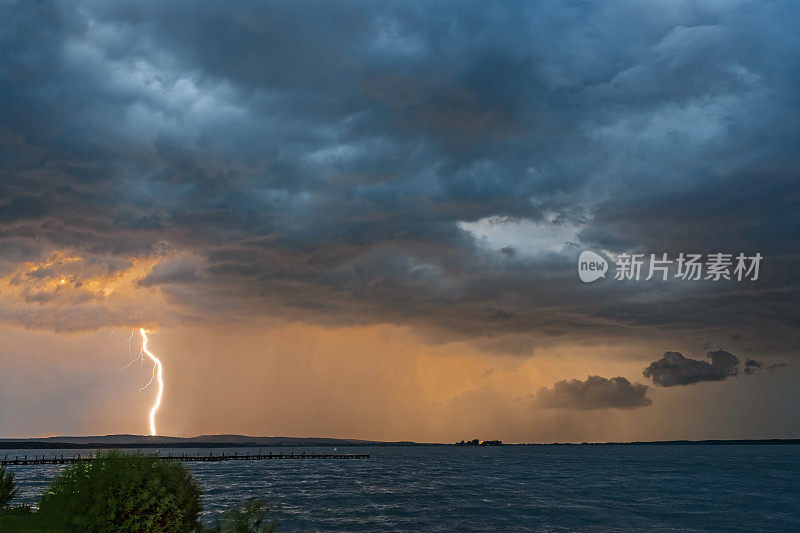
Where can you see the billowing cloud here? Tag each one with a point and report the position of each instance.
(675, 369)
(381, 163)
(595, 392)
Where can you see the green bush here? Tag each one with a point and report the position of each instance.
(252, 517)
(22, 518)
(123, 493)
(8, 489)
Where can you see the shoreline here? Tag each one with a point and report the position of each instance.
(50, 443)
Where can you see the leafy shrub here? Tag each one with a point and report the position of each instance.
(22, 518)
(252, 517)
(125, 493)
(8, 489)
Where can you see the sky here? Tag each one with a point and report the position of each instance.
(363, 219)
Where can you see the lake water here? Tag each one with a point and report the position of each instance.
(508, 488)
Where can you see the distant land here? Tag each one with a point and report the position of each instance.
(229, 441)
(201, 441)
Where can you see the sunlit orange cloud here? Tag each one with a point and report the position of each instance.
(73, 275)
(66, 291)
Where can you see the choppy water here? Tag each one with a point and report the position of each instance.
(509, 488)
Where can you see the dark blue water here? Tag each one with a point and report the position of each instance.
(509, 488)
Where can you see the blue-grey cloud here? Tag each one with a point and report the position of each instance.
(319, 160)
(675, 369)
(595, 392)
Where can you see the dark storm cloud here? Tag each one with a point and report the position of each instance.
(174, 269)
(751, 366)
(675, 369)
(594, 393)
(316, 159)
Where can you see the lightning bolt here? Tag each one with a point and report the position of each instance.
(158, 376)
(139, 357)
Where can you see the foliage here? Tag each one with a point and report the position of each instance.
(125, 493)
(22, 518)
(115, 492)
(252, 517)
(8, 489)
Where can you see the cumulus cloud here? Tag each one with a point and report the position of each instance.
(595, 392)
(675, 369)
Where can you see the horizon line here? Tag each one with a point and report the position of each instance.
(216, 440)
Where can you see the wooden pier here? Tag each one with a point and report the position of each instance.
(211, 457)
